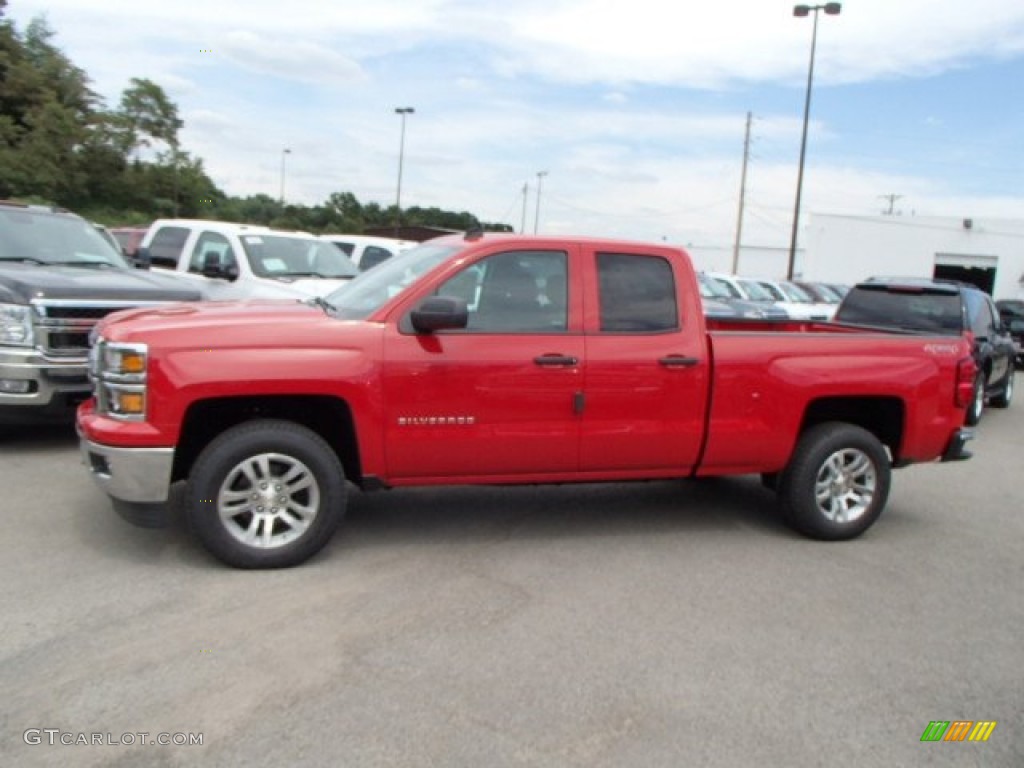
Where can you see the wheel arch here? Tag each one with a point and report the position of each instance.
(882, 416)
(329, 417)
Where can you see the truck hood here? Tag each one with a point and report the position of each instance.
(20, 283)
(257, 323)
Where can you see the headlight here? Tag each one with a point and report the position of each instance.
(16, 326)
(124, 360)
(119, 371)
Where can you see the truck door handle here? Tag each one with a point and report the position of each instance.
(678, 361)
(555, 360)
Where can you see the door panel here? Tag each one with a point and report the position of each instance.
(495, 398)
(647, 372)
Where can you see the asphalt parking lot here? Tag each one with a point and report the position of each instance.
(655, 624)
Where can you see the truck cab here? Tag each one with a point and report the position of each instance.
(245, 261)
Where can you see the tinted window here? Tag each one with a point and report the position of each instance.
(211, 245)
(910, 310)
(372, 256)
(637, 293)
(514, 292)
(166, 247)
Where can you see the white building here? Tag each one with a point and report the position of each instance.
(846, 249)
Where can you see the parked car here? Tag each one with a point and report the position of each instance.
(823, 293)
(246, 261)
(1011, 311)
(720, 302)
(742, 289)
(366, 251)
(920, 305)
(795, 300)
(59, 276)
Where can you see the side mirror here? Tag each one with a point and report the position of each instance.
(143, 259)
(439, 313)
(213, 268)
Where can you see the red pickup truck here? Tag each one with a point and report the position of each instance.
(501, 359)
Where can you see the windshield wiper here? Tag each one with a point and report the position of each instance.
(320, 301)
(99, 264)
(25, 260)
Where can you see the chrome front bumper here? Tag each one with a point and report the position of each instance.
(135, 475)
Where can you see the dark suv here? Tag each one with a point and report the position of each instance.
(58, 277)
(919, 305)
(1012, 312)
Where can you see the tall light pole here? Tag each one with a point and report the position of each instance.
(284, 153)
(536, 215)
(403, 112)
(831, 9)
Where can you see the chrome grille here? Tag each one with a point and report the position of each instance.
(62, 326)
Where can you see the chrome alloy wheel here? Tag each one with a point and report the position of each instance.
(268, 500)
(845, 485)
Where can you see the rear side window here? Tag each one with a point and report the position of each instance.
(637, 293)
(166, 247)
(912, 311)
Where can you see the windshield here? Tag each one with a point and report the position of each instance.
(280, 255)
(757, 291)
(50, 238)
(366, 294)
(795, 293)
(711, 288)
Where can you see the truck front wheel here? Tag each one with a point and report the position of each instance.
(266, 494)
(837, 482)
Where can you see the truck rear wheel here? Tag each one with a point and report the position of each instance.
(266, 494)
(836, 483)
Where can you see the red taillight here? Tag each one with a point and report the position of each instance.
(966, 370)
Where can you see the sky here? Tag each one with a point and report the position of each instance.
(629, 116)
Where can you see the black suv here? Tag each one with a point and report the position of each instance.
(1012, 313)
(58, 277)
(919, 305)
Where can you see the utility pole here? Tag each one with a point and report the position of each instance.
(522, 226)
(743, 193)
(536, 216)
(892, 202)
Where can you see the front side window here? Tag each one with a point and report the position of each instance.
(514, 292)
(211, 246)
(637, 294)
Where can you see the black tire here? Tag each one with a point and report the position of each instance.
(977, 406)
(1004, 398)
(276, 483)
(770, 480)
(836, 483)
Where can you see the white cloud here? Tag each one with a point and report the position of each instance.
(598, 93)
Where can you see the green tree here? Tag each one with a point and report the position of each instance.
(146, 115)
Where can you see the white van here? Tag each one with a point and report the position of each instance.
(366, 251)
(246, 261)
